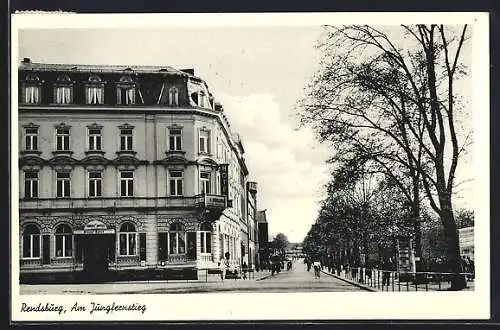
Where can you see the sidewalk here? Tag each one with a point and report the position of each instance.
(375, 283)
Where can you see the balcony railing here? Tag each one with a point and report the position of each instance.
(107, 203)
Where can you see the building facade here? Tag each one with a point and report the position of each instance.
(126, 167)
(252, 224)
(466, 242)
(263, 237)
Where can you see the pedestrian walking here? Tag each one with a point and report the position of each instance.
(224, 265)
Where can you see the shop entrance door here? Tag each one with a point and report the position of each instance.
(95, 254)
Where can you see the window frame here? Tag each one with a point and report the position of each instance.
(206, 237)
(177, 233)
(31, 236)
(127, 184)
(32, 180)
(32, 137)
(206, 143)
(35, 95)
(65, 138)
(208, 181)
(64, 237)
(93, 138)
(66, 191)
(173, 96)
(128, 235)
(177, 180)
(176, 137)
(96, 182)
(127, 139)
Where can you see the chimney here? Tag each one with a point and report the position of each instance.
(188, 71)
(26, 60)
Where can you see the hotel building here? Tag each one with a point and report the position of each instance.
(127, 167)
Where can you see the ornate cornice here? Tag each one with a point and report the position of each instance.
(128, 160)
(31, 160)
(62, 160)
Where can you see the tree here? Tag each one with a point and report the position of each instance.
(280, 243)
(465, 218)
(387, 98)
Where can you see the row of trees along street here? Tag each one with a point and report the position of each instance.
(386, 101)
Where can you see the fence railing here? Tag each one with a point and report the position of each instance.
(387, 280)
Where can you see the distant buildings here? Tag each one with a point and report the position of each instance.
(129, 168)
(466, 242)
(263, 237)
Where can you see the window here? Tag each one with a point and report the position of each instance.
(95, 184)
(126, 184)
(127, 240)
(62, 139)
(63, 184)
(201, 99)
(31, 242)
(95, 95)
(63, 95)
(63, 90)
(126, 135)
(31, 184)
(204, 141)
(205, 182)
(32, 89)
(206, 238)
(95, 139)
(177, 239)
(175, 182)
(64, 241)
(125, 91)
(32, 94)
(173, 96)
(126, 96)
(31, 135)
(175, 139)
(94, 90)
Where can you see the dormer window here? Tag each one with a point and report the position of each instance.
(125, 90)
(32, 89)
(173, 96)
(63, 90)
(94, 90)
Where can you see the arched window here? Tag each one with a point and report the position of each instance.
(127, 239)
(95, 90)
(173, 96)
(177, 238)
(206, 238)
(63, 90)
(32, 89)
(31, 242)
(64, 241)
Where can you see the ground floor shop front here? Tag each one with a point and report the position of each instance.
(96, 244)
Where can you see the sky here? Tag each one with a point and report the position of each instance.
(257, 73)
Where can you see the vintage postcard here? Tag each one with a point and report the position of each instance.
(305, 166)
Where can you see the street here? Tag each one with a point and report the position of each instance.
(298, 279)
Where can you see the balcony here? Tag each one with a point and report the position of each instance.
(212, 202)
(210, 207)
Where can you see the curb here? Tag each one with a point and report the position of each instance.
(367, 288)
(263, 277)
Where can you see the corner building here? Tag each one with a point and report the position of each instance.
(126, 168)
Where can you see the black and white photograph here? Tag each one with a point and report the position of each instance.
(249, 166)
